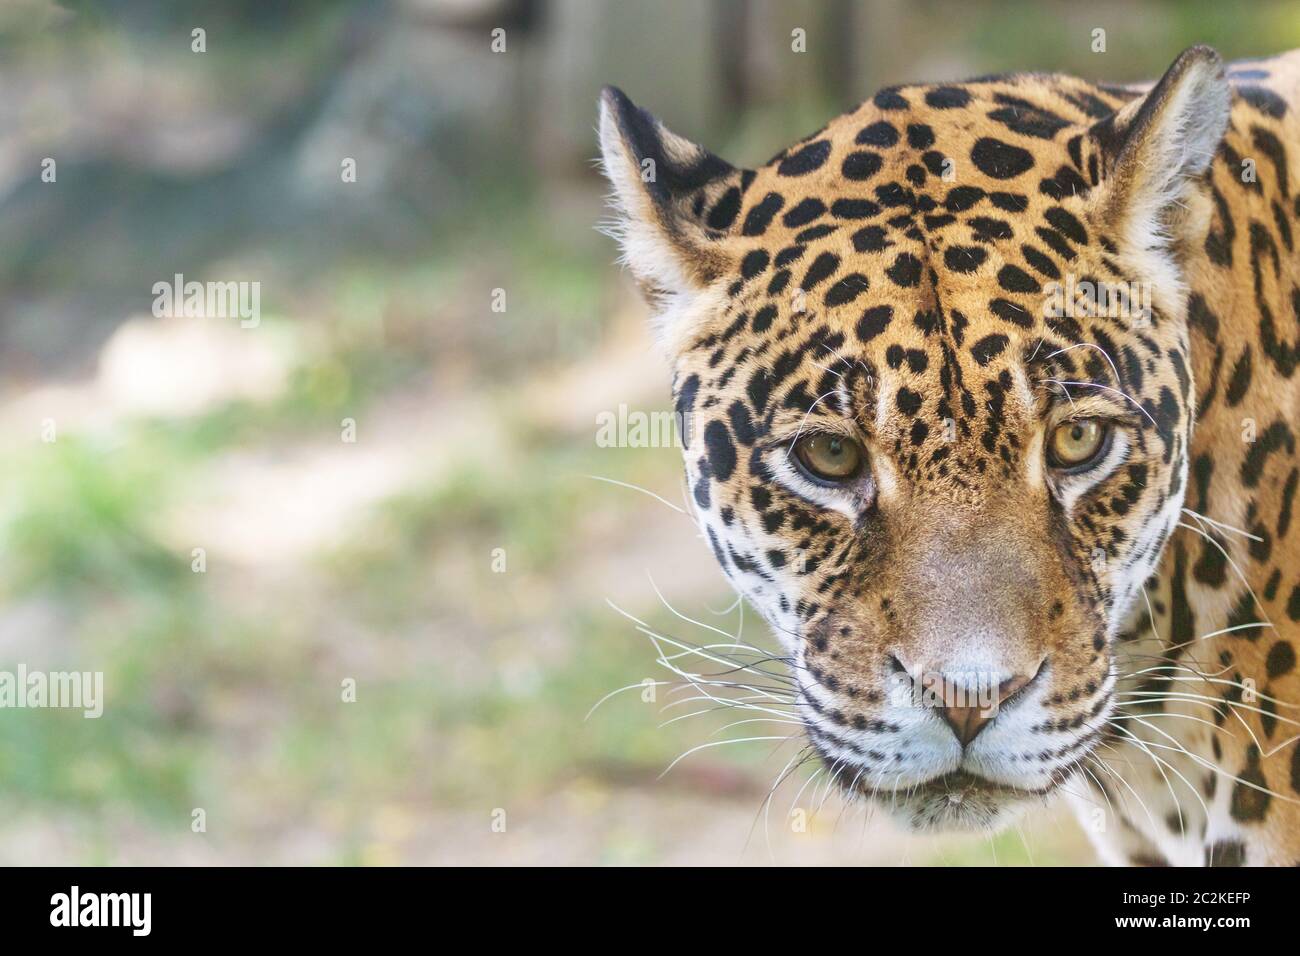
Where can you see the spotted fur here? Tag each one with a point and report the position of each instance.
(887, 279)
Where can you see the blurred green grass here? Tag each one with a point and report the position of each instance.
(216, 684)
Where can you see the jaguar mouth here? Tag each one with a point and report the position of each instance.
(958, 796)
(955, 787)
(959, 800)
(961, 785)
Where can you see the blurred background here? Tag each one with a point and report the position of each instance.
(450, 557)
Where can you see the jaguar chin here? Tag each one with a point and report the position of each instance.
(956, 801)
(992, 399)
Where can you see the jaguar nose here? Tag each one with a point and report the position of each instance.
(967, 710)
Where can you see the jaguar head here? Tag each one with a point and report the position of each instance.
(933, 367)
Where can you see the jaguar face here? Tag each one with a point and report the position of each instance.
(932, 361)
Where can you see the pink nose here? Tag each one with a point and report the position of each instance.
(967, 719)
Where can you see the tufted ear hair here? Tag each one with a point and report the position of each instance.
(1157, 150)
(674, 204)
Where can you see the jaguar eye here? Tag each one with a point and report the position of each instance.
(1074, 445)
(830, 459)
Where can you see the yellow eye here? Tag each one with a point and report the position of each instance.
(1077, 443)
(829, 458)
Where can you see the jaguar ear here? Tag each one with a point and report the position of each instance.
(674, 203)
(1158, 149)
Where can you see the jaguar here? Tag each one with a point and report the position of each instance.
(992, 401)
